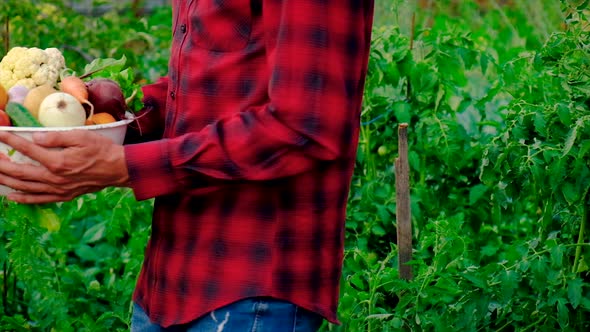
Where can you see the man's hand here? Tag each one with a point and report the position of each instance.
(87, 162)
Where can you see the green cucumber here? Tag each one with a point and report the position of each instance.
(20, 116)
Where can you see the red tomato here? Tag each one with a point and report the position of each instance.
(4, 119)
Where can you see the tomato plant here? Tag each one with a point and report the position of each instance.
(495, 94)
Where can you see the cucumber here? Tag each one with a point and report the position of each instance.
(20, 116)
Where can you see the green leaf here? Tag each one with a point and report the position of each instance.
(48, 219)
(556, 173)
(477, 192)
(571, 138)
(397, 323)
(98, 65)
(540, 124)
(380, 316)
(358, 282)
(557, 256)
(483, 62)
(509, 284)
(86, 253)
(383, 191)
(403, 112)
(94, 233)
(378, 230)
(571, 194)
(489, 250)
(478, 281)
(584, 148)
(564, 113)
(384, 214)
(562, 313)
(414, 160)
(574, 291)
(582, 265)
(540, 269)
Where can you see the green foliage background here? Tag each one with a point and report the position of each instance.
(496, 96)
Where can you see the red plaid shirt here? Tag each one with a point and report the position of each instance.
(261, 106)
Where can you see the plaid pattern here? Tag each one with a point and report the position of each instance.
(261, 106)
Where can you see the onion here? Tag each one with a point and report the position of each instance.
(61, 109)
(106, 96)
(17, 94)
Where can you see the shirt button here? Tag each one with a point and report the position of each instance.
(183, 28)
(172, 95)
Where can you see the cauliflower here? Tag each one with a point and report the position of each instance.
(31, 67)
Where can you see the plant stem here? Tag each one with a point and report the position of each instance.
(14, 299)
(5, 289)
(412, 37)
(509, 323)
(504, 17)
(535, 324)
(413, 31)
(581, 236)
(137, 8)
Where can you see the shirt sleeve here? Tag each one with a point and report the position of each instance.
(154, 95)
(317, 55)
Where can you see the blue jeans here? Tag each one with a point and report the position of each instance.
(249, 315)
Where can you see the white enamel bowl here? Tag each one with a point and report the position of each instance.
(114, 130)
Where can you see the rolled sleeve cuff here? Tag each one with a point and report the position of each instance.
(150, 170)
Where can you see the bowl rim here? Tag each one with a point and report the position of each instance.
(129, 118)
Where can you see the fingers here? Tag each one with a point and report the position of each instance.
(43, 191)
(36, 179)
(40, 148)
(22, 180)
(35, 199)
(27, 148)
(70, 164)
(63, 139)
(25, 172)
(42, 198)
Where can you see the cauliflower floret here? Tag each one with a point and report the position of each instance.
(56, 59)
(31, 67)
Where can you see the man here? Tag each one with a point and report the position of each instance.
(261, 108)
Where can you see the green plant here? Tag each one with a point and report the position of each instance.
(72, 266)
(496, 247)
(495, 94)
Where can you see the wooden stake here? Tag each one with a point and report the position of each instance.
(402, 190)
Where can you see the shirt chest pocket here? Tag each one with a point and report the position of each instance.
(222, 25)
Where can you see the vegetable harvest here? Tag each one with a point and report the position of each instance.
(31, 67)
(61, 109)
(75, 86)
(40, 93)
(106, 96)
(20, 116)
(3, 97)
(34, 98)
